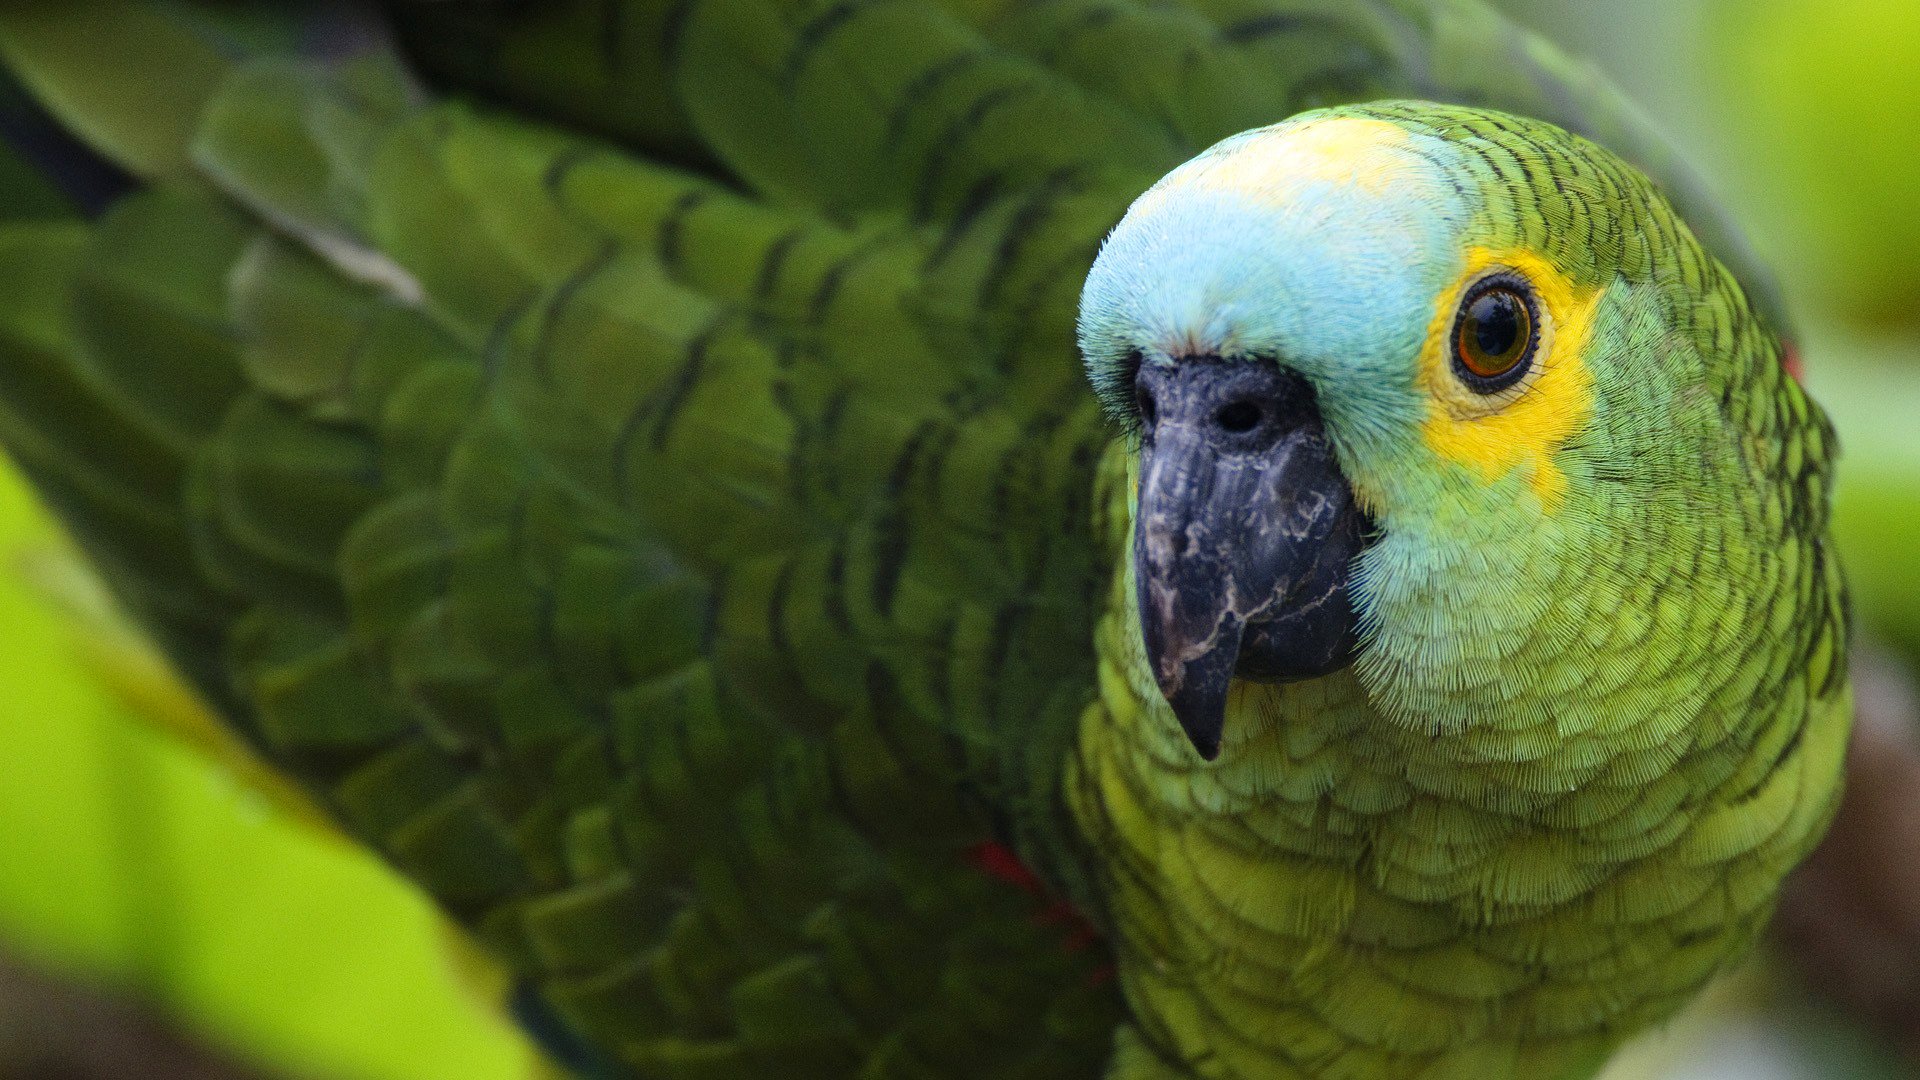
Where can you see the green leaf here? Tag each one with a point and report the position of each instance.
(132, 857)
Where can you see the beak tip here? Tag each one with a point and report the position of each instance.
(1202, 716)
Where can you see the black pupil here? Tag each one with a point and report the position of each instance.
(1494, 321)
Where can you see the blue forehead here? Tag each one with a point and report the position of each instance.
(1329, 269)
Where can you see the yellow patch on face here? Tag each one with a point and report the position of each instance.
(1274, 163)
(1523, 426)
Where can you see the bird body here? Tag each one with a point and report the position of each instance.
(662, 510)
(1492, 852)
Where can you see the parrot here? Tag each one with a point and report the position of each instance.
(1254, 539)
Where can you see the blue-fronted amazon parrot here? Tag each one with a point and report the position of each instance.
(932, 538)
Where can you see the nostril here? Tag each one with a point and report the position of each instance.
(1238, 417)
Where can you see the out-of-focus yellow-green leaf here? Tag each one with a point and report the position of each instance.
(1824, 110)
(128, 665)
(136, 857)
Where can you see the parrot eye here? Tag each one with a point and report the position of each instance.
(1495, 334)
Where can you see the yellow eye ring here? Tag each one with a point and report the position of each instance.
(1495, 333)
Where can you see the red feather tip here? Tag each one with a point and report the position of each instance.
(999, 862)
(1790, 359)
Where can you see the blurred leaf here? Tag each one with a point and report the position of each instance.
(126, 663)
(1823, 108)
(127, 854)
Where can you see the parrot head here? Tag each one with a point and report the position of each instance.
(1438, 394)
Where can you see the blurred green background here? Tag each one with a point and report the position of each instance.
(143, 861)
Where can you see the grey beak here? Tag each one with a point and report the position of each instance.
(1243, 536)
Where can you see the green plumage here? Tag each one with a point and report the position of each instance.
(1602, 702)
(630, 460)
